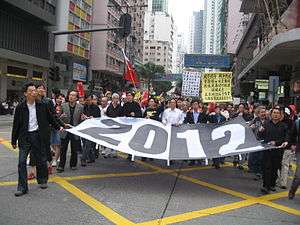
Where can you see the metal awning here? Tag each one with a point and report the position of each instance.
(283, 49)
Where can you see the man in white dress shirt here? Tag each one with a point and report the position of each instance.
(172, 115)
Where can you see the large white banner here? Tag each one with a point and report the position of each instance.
(152, 139)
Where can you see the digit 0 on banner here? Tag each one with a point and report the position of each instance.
(216, 87)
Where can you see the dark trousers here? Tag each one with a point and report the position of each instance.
(88, 152)
(34, 146)
(271, 164)
(75, 147)
(296, 180)
(255, 162)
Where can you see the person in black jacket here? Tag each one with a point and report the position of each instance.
(274, 132)
(132, 108)
(89, 111)
(217, 118)
(247, 117)
(115, 109)
(152, 112)
(194, 116)
(30, 130)
(295, 141)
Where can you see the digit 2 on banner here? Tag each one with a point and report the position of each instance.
(237, 137)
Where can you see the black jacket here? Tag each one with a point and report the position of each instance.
(202, 118)
(274, 132)
(114, 111)
(295, 135)
(92, 110)
(21, 120)
(130, 107)
(214, 119)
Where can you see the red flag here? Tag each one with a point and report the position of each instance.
(80, 89)
(130, 73)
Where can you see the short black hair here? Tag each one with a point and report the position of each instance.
(55, 91)
(26, 86)
(41, 85)
(131, 93)
(195, 100)
(155, 100)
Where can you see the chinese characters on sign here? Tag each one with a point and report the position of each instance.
(191, 84)
(216, 87)
(79, 72)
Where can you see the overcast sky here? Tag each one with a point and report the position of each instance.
(182, 11)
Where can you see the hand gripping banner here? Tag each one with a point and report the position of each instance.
(152, 139)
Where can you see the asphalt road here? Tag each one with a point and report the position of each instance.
(115, 191)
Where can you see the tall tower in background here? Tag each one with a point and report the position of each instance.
(196, 44)
(159, 6)
(213, 27)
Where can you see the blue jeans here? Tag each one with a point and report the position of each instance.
(34, 146)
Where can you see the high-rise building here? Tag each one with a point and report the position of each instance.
(159, 38)
(196, 44)
(107, 60)
(158, 5)
(237, 22)
(136, 39)
(24, 43)
(74, 15)
(213, 38)
(180, 51)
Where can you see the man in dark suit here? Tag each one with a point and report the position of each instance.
(30, 129)
(194, 116)
(217, 118)
(90, 110)
(71, 116)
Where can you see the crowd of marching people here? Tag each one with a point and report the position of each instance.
(40, 125)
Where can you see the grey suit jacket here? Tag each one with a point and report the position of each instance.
(66, 117)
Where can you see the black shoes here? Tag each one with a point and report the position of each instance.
(43, 186)
(20, 193)
(272, 188)
(83, 163)
(291, 195)
(265, 190)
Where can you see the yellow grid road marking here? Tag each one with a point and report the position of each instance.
(201, 213)
(93, 203)
(108, 175)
